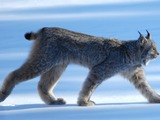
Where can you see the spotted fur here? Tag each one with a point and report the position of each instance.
(55, 48)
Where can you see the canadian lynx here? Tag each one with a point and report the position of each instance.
(55, 48)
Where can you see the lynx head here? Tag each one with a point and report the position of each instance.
(148, 49)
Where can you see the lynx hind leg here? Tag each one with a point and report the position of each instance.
(26, 72)
(138, 79)
(90, 84)
(12, 79)
(48, 82)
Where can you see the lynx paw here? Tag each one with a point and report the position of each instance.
(59, 101)
(86, 103)
(155, 100)
(2, 97)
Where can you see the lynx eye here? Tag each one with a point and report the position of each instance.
(154, 49)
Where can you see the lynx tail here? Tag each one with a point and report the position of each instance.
(30, 36)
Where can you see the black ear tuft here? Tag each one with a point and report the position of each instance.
(140, 33)
(148, 35)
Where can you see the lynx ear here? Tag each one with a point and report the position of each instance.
(140, 35)
(141, 39)
(148, 35)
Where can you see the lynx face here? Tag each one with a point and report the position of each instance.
(152, 54)
(148, 49)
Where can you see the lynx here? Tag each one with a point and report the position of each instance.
(55, 48)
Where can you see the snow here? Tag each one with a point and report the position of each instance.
(72, 112)
(116, 98)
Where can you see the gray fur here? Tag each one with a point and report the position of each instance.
(55, 48)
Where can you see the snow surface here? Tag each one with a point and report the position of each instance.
(116, 98)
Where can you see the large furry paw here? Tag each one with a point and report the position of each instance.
(155, 100)
(2, 97)
(59, 101)
(86, 103)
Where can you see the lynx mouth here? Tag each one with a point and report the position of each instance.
(146, 62)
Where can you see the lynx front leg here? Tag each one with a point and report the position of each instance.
(88, 88)
(139, 81)
(48, 82)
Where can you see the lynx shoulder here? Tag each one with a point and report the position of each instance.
(55, 48)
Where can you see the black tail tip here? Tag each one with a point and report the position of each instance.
(28, 36)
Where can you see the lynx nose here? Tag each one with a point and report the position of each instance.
(157, 53)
